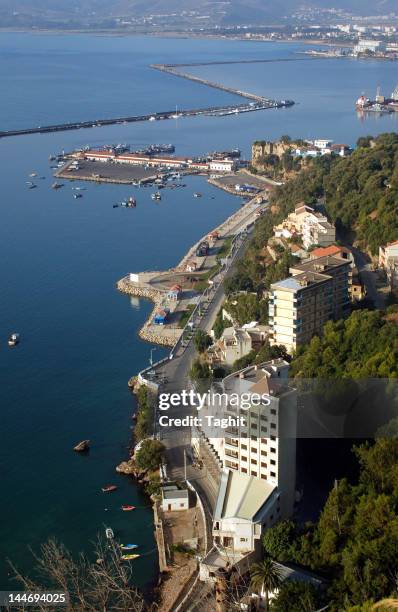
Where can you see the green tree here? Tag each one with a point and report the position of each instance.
(201, 340)
(294, 596)
(277, 540)
(149, 456)
(265, 578)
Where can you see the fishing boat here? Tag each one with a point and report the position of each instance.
(33, 174)
(128, 546)
(56, 185)
(31, 185)
(115, 205)
(14, 339)
(109, 533)
(127, 508)
(109, 488)
(156, 196)
(129, 557)
(77, 195)
(197, 195)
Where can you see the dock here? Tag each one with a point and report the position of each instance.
(255, 103)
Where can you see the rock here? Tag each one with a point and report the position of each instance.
(126, 467)
(82, 447)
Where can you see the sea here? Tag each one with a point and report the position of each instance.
(60, 258)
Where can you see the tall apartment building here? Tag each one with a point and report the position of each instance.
(316, 229)
(299, 306)
(257, 456)
(388, 260)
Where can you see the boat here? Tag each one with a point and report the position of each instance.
(127, 508)
(156, 196)
(109, 533)
(32, 186)
(33, 174)
(56, 185)
(77, 195)
(109, 488)
(128, 546)
(197, 195)
(115, 205)
(129, 557)
(14, 339)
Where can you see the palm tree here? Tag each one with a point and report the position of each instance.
(266, 577)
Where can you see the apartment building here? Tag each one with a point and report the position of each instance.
(388, 261)
(313, 227)
(257, 458)
(299, 306)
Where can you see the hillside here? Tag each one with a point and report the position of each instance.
(186, 13)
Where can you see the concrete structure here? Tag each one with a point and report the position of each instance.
(388, 261)
(334, 251)
(369, 45)
(257, 459)
(299, 306)
(316, 230)
(236, 342)
(174, 292)
(174, 499)
(223, 165)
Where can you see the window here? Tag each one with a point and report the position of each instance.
(254, 473)
(273, 411)
(263, 476)
(243, 434)
(254, 438)
(264, 453)
(263, 464)
(243, 470)
(263, 440)
(253, 426)
(182, 505)
(243, 446)
(243, 539)
(273, 462)
(253, 415)
(243, 458)
(273, 474)
(273, 450)
(273, 438)
(263, 418)
(273, 425)
(253, 450)
(253, 461)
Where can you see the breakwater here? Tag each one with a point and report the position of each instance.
(256, 103)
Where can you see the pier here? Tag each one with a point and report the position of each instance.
(256, 103)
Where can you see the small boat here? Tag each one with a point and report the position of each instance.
(14, 339)
(129, 557)
(33, 174)
(127, 508)
(197, 195)
(109, 533)
(57, 185)
(32, 186)
(109, 488)
(156, 196)
(77, 195)
(128, 546)
(115, 205)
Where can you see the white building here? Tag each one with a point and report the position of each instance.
(369, 45)
(257, 458)
(316, 230)
(222, 165)
(388, 261)
(174, 498)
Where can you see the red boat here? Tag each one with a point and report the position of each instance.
(109, 488)
(127, 508)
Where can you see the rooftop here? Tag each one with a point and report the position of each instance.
(175, 494)
(241, 496)
(300, 281)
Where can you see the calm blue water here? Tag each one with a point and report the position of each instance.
(60, 257)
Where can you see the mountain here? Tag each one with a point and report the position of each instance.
(189, 13)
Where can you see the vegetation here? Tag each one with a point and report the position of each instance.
(265, 577)
(144, 424)
(153, 486)
(355, 541)
(220, 324)
(104, 585)
(294, 596)
(184, 318)
(201, 340)
(247, 307)
(149, 455)
(266, 353)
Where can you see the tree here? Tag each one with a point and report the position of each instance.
(277, 540)
(92, 587)
(201, 340)
(201, 374)
(294, 596)
(149, 455)
(265, 578)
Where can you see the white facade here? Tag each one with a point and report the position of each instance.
(174, 499)
(366, 45)
(222, 165)
(317, 230)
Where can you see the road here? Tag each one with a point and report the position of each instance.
(369, 278)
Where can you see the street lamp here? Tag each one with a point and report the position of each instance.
(151, 358)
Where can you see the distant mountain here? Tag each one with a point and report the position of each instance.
(188, 12)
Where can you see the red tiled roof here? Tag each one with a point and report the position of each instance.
(333, 249)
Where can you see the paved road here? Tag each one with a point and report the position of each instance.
(369, 278)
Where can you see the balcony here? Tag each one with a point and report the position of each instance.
(231, 442)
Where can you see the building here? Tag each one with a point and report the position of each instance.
(202, 249)
(174, 498)
(161, 316)
(174, 292)
(256, 458)
(369, 46)
(388, 261)
(316, 230)
(222, 165)
(299, 306)
(236, 342)
(191, 265)
(334, 251)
